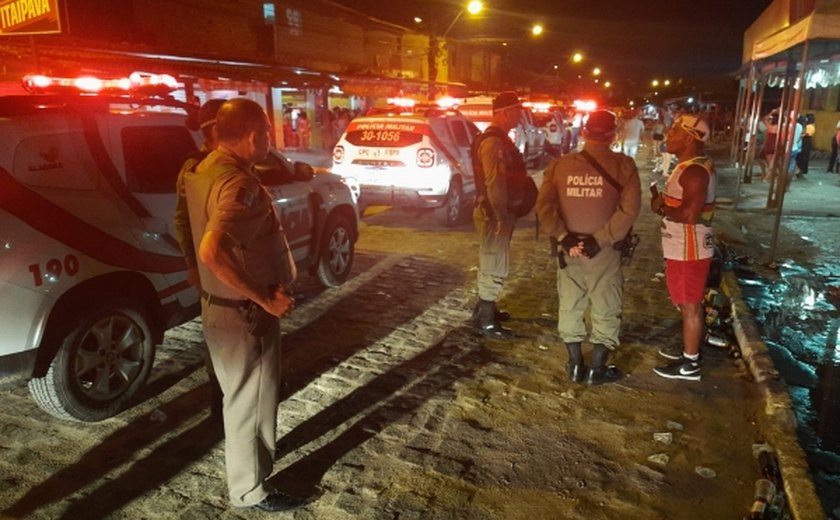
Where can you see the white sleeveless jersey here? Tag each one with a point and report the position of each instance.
(689, 241)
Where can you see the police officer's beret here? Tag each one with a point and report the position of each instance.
(507, 99)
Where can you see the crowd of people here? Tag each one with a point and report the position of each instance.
(298, 128)
(239, 260)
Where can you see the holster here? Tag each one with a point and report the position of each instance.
(627, 247)
(259, 320)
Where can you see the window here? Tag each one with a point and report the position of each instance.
(154, 155)
(816, 98)
(295, 21)
(460, 133)
(269, 16)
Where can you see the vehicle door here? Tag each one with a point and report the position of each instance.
(463, 137)
(294, 200)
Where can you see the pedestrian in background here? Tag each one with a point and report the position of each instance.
(183, 231)
(768, 149)
(304, 130)
(835, 144)
(686, 207)
(589, 201)
(631, 134)
(245, 268)
(495, 159)
(804, 157)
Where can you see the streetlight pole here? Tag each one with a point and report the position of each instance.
(474, 7)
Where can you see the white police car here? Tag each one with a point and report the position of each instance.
(410, 156)
(90, 274)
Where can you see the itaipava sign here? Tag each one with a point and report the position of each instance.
(18, 17)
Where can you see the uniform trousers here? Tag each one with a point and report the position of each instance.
(493, 257)
(248, 370)
(596, 281)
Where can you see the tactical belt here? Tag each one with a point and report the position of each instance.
(224, 302)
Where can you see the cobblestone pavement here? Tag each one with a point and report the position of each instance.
(394, 409)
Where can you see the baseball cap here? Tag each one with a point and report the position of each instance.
(693, 126)
(507, 99)
(601, 123)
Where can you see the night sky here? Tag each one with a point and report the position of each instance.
(633, 41)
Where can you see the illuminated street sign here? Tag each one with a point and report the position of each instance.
(19, 17)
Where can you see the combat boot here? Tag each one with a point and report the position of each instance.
(600, 373)
(487, 324)
(500, 315)
(575, 368)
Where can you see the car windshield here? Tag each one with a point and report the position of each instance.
(542, 119)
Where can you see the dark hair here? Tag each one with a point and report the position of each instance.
(239, 117)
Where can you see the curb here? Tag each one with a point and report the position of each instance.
(778, 422)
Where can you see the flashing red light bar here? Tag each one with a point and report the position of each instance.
(585, 105)
(136, 83)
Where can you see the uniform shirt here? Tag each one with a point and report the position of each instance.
(682, 241)
(181, 219)
(226, 197)
(575, 198)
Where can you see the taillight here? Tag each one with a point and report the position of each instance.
(425, 157)
(338, 154)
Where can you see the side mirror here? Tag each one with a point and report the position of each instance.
(303, 171)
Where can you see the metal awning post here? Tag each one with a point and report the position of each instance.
(752, 125)
(794, 113)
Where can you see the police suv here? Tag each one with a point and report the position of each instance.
(90, 274)
(410, 156)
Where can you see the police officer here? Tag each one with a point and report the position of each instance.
(589, 201)
(494, 158)
(183, 232)
(244, 264)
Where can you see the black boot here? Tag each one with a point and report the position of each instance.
(500, 315)
(486, 322)
(600, 373)
(575, 367)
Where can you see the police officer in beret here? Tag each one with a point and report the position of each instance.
(494, 159)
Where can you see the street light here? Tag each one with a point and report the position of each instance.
(537, 29)
(577, 57)
(474, 7)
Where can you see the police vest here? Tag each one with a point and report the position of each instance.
(522, 190)
(587, 200)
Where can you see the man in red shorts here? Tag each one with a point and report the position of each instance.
(687, 206)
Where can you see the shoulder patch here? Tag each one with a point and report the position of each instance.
(245, 197)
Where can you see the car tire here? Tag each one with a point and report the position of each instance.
(451, 212)
(104, 359)
(337, 251)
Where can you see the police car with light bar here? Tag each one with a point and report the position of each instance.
(410, 156)
(90, 274)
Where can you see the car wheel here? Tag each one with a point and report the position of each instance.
(103, 361)
(450, 213)
(337, 251)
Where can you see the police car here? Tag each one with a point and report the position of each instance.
(528, 137)
(90, 274)
(410, 156)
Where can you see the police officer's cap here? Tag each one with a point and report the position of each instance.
(507, 99)
(601, 123)
(207, 112)
(205, 116)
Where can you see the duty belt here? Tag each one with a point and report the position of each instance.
(224, 302)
